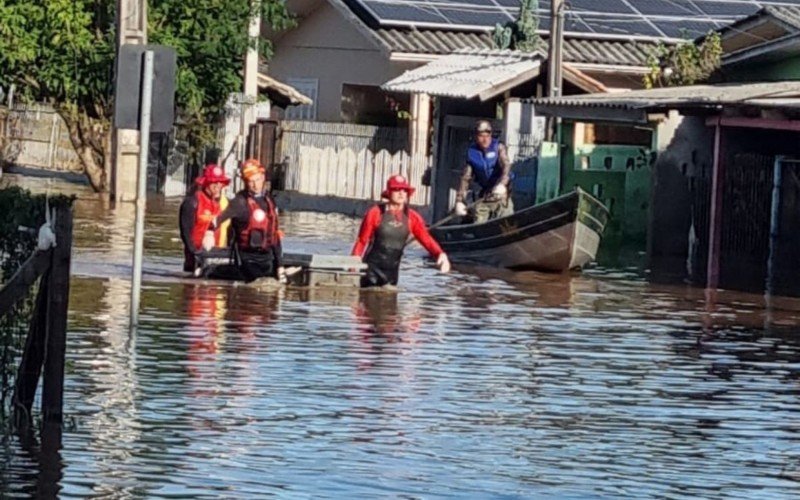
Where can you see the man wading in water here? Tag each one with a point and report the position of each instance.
(255, 226)
(489, 167)
(384, 234)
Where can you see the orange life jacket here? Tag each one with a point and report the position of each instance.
(207, 210)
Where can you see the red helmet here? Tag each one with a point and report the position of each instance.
(397, 183)
(213, 173)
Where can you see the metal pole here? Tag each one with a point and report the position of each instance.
(141, 195)
(774, 223)
(715, 222)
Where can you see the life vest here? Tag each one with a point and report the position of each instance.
(222, 237)
(207, 210)
(485, 164)
(389, 241)
(261, 232)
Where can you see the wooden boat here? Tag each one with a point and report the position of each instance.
(554, 236)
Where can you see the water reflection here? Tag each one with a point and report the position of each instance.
(481, 383)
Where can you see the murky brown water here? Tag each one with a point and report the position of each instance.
(474, 384)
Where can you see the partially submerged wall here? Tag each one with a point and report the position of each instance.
(679, 207)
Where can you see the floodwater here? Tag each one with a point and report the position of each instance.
(475, 384)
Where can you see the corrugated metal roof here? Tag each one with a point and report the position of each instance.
(469, 73)
(576, 50)
(775, 94)
(281, 93)
(789, 14)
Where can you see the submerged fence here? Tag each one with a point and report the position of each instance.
(33, 331)
(349, 161)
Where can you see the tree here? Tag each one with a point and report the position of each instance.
(62, 52)
(520, 34)
(685, 63)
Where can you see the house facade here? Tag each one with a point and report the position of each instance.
(340, 57)
(724, 189)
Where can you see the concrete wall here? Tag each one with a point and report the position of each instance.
(619, 175)
(331, 49)
(36, 136)
(679, 208)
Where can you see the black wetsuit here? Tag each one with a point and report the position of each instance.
(386, 251)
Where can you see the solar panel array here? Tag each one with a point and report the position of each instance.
(606, 18)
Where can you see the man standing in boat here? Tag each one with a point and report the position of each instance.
(203, 203)
(488, 166)
(255, 225)
(385, 233)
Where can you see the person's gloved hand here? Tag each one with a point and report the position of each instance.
(208, 241)
(443, 263)
(460, 209)
(500, 192)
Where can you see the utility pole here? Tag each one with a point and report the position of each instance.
(245, 102)
(131, 30)
(251, 59)
(555, 57)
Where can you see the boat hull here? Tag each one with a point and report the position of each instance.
(555, 236)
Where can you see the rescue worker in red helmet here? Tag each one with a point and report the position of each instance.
(255, 225)
(203, 203)
(385, 232)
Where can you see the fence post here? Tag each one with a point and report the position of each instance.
(30, 366)
(58, 300)
(51, 146)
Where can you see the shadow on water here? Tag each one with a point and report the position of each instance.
(481, 382)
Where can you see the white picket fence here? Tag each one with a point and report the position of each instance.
(349, 161)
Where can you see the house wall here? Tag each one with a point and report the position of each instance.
(617, 174)
(677, 240)
(331, 49)
(784, 69)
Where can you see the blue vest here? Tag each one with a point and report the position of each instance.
(485, 169)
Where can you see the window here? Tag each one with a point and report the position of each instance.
(369, 105)
(309, 87)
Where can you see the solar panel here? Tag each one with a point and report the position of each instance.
(611, 18)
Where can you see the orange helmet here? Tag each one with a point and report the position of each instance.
(252, 167)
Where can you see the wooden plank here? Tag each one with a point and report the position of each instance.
(30, 367)
(762, 123)
(58, 309)
(15, 288)
(331, 165)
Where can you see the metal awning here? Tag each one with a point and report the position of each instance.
(469, 74)
(280, 93)
(633, 105)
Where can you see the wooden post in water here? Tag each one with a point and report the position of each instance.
(58, 307)
(30, 366)
(715, 222)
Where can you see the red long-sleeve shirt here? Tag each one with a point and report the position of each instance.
(416, 227)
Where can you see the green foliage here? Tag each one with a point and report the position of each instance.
(686, 63)
(18, 208)
(520, 34)
(62, 52)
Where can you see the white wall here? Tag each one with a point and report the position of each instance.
(331, 49)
